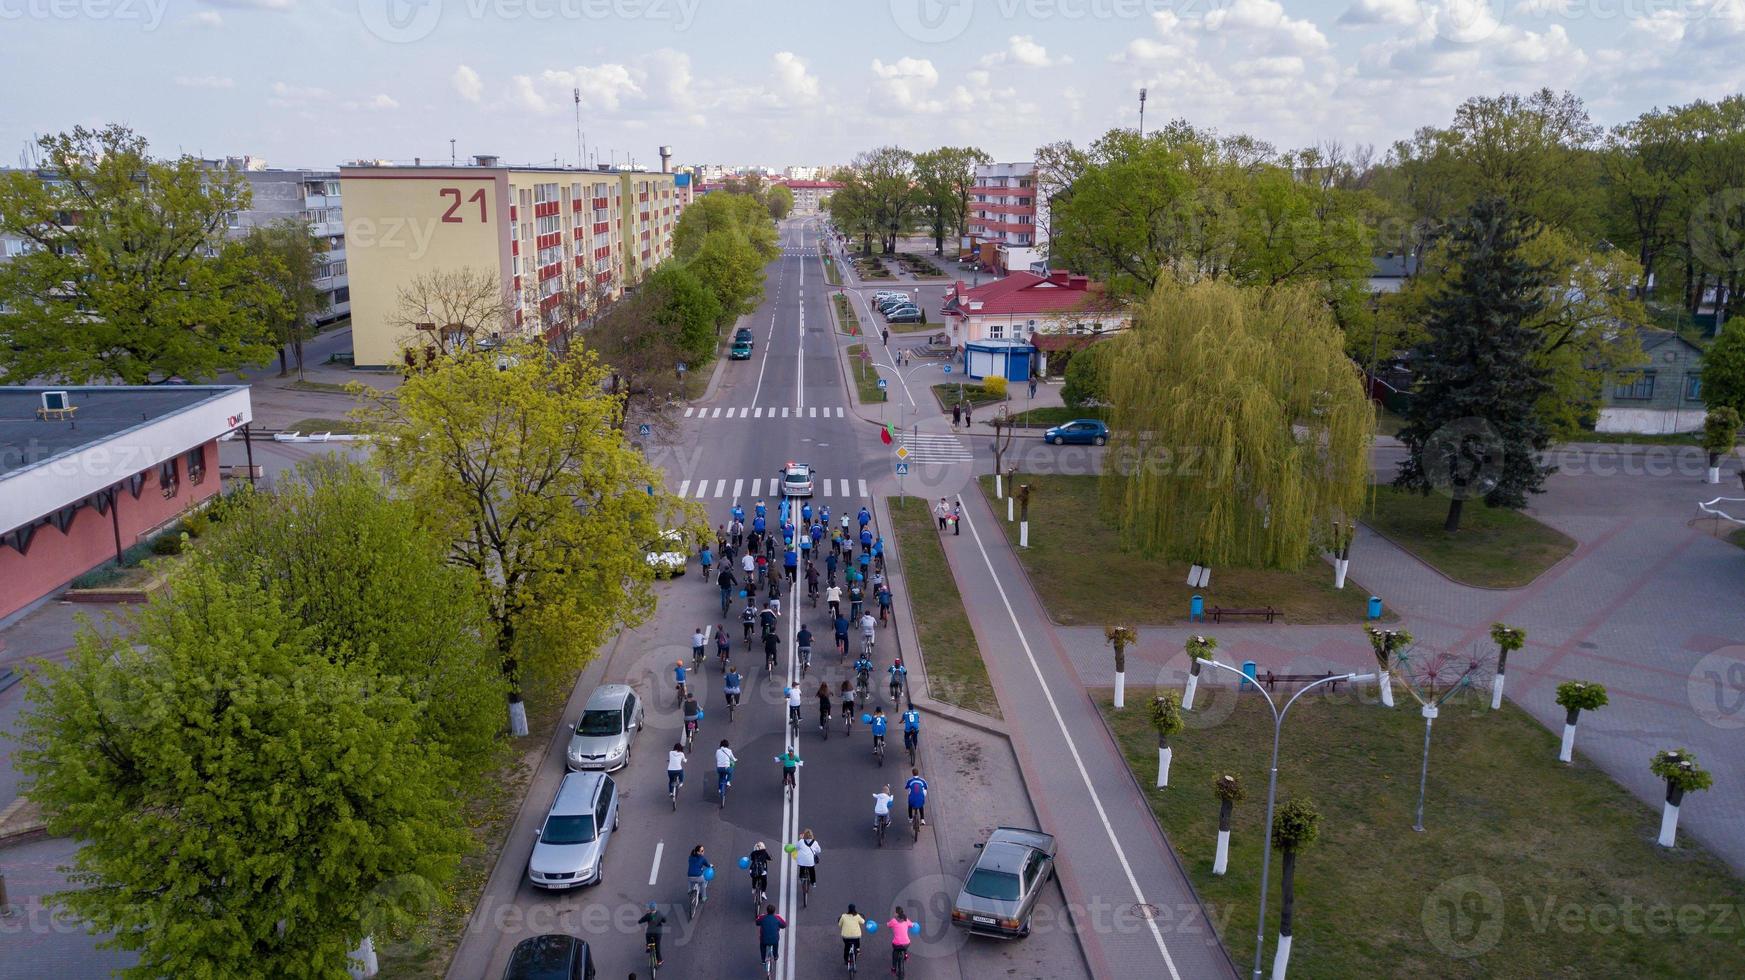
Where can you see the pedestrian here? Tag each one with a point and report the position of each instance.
(942, 510)
(887, 333)
(968, 414)
(956, 414)
(1033, 386)
(957, 518)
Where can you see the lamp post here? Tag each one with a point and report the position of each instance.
(1278, 720)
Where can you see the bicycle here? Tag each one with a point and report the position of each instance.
(732, 706)
(697, 654)
(794, 723)
(722, 783)
(915, 822)
(805, 886)
(824, 726)
(759, 898)
(769, 961)
(853, 960)
(769, 662)
(694, 900)
(879, 752)
(848, 722)
(653, 960)
(805, 660)
(691, 727)
(866, 645)
(902, 959)
(672, 792)
(897, 689)
(879, 826)
(910, 742)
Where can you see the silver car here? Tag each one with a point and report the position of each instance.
(1000, 893)
(571, 849)
(610, 720)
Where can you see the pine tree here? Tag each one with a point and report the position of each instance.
(1472, 429)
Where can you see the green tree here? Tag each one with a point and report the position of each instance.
(1295, 825)
(1258, 382)
(887, 175)
(1646, 162)
(1720, 434)
(377, 590)
(742, 214)
(247, 805)
(732, 271)
(1473, 428)
(943, 178)
(517, 461)
(779, 199)
(128, 274)
(1724, 368)
(1087, 377)
(288, 260)
(685, 308)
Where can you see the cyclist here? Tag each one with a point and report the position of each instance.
(845, 520)
(791, 763)
(738, 512)
(769, 650)
(806, 851)
(769, 934)
(757, 862)
(804, 639)
(731, 685)
(846, 693)
(824, 515)
(882, 807)
(911, 728)
(866, 544)
(679, 678)
(812, 581)
(842, 634)
(865, 563)
(788, 533)
(693, 715)
(653, 928)
(760, 511)
(863, 672)
(759, 526)
(899, 927)
(899, 677)
(705, 558)
(695, 871)
(851, 925)
(917, 788)
(823, 704)
(699, 640)
(805, 545)
(675, 767)
(775, 597)
(806, 512)
(723, 646)
(793, 704)
(865, 517)
(769, 548)
(747, 566)
(748, 619)
(728, 582)
(856, 598)
(830, 567)
(762, 569)
(833, 598)
(767, 618)
(884, 603)
(878, 550)
(879, 724)
(868, 627)
(815, 534)
(725, 760)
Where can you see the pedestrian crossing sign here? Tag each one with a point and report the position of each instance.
(902, 469)
(902, 452)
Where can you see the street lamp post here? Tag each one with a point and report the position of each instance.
(1278, 720)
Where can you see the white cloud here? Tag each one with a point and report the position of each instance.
(287, 96)
(207, 18)
(1364, 13)
(205, 81)
(905, 84)
(795, 81)
(377, 102)
(1265, 21)
(1022, 49)
(523, 93)
(467, 84)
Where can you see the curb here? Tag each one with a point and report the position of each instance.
(36, 829)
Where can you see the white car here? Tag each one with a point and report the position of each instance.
(797, 480)
(666, 555)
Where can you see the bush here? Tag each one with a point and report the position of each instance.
(994, 385)
(136, 554)
(1086, 382)
(169, 543)
(196, 523)
(98, 577)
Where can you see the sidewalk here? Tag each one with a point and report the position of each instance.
(1132, 905)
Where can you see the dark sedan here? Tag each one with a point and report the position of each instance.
(1084, 432)
(550, 957)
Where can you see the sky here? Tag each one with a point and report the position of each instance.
(319, 82)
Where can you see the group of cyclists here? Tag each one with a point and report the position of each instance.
(744, 561)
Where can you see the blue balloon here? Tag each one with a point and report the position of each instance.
(865, 718)
(709, 874)
(744, 863)
(872, 927)
(914, 928)
(787, 690)
(699, 714)
(742, 593)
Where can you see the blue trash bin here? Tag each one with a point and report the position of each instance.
(1375, 607)
(1197, 609)
(1249, 671)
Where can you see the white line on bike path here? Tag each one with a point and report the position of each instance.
(654, 869)
(1067, 739)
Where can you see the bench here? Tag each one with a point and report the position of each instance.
(1219, 612)
(1271, 679)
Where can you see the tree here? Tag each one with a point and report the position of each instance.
(577, 305)
(377, 589)
(1389, 647)
(1508, 639)
(1473, 428)
(1724, 368)
(518, 463)
(1678, 767)
(1166, 720)
(853, 210)
(288, 260)
(1257, 381)
(779, 199)
(247, 805)
(888, 177)
(444, 311)
(645, 337)
(1720, 435)
(1197, 648)
(730, 268)
(1295, 826)
(741, 214)
(1228, 789)
(685, 308)
(943, 178)
(1575, 697)
(128, 274)
(1646, 163)
(1120, 638)
(1087, 379)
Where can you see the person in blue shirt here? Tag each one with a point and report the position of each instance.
(862, 670)
(679, 678)
(884, 603)
(705, 558)
(806, 512)
(899, 678)
(830, 568)
(917, 788)
(866, 539)
(758, 525)
(816, 533)
(769, 933)
(759, 510)
(865, 517)
(738, 512)
(824, 515)
(878, 550)
(879, 724)
(788, 532)
(732, 685)
(842, 635)
(911, 728)
(791, 563)
(695, 868)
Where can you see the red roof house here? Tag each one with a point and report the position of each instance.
(1023, 305)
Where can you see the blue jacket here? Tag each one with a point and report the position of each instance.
(917, 791)
(878, 724)
(697, 863)
(911, 721)
(769, 928)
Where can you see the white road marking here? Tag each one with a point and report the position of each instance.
(684, 488)
(720, 487)
(784, 411)
(688, 412)
(717, 414)
(702, 489)
(737, 486)
(654, 869)
(812, 413)
(1067, 739)
(863, 492)
(757, 413)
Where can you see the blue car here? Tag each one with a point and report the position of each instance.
(1079, 431)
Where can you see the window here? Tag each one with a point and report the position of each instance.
(996, 331)
(1641, 388)
(543, 193)
(330, 188)
(342, 295)
(167, 477)
(1693, 387)
(526, 199)
(196, 460)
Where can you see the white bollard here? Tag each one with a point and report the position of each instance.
(1164, 754)
(1497, 693)
(1023, 534)
(1714, 474)
(1120, 689)
(1668, 824)
(1567, 751)
(1222, 860)
(1282, 958)
(1193, 685)
(997, 486)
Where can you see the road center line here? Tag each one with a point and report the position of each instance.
(654, 869)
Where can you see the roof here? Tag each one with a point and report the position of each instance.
(819, 184)
(1392, 266)
(103, 412)
(1652, 339)
(1026, 293)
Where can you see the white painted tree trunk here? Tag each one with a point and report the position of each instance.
(363, 960)
(1668, 824)
(1222, 860)
(1023, 534)
(1497, 693)
(1714, 474)
(1567, 751)
(1164, 753)
(1339, 567)
(1120, 689)
(1188, 695)
(1281, 959)
(1387, 689)
(998, 486)
(1009, 510)
(517, 718)
(1194, 575)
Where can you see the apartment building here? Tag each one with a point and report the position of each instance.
(810, 195)
(312, 196)
(1008, 219)
(540, 230)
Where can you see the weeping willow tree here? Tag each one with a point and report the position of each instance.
(1247, 426)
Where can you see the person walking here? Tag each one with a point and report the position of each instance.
(956, 414)
(1033, 386)
(942, 510)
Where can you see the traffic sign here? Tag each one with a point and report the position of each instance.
(883, 384)
(947, 369)
(644, 429)
(902, 469)
(902, 452)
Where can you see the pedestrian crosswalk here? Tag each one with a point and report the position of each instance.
(930, 447)
(749, 490)
(773, 412)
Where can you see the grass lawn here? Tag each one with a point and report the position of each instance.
(846, 321)
(1526, 868)
(866, 377)
(1086, 579)
(1738, 537)
(913, 327)
(317, 426)
(947, 394)
(1052, 415)
(325, 387)
(1494, 548)
(955, 671)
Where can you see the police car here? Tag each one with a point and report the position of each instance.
(797, 479)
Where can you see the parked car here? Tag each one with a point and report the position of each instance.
(743, 336)
(797, 480)
(571, 850)
(741, 351)
(1081, 431)
(894, 301)
(666, 555)
(550, 957)
(906, 309)
(889, 294)
(911, 316)
(609, 723)
(999, 896)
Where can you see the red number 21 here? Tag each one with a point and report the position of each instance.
(450, 216)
